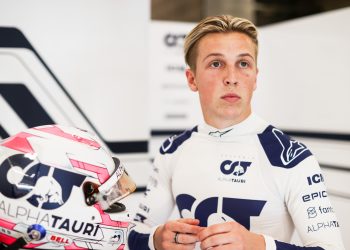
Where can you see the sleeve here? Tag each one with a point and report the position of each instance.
(304, 191)
(310, 208)
(155, 207)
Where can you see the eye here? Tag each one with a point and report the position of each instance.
(243, 64)
(215, 64)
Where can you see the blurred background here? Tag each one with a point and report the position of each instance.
(116, 67)
(261, 12)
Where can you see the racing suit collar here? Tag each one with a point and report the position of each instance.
(252, 124)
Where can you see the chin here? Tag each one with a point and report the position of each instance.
(234, 117)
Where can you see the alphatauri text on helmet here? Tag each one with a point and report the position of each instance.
(49, 220)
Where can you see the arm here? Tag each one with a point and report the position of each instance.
(298, 177)
(154, 208)
(310, 208)
(152, 230)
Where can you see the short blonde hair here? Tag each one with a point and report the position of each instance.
(217, 24)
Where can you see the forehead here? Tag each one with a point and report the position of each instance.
(226, 42)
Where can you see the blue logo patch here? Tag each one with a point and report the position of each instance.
(236, 168)
(281, 150)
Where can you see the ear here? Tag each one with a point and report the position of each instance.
(191, 81)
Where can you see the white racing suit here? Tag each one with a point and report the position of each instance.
(251, 173)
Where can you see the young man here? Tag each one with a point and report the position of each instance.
(238, 182)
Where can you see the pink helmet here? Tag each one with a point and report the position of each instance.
(59, 189)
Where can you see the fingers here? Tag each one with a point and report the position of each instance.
(223, 247)
(186, 238)
(189, 221)
(184, 226)
(222, 241)
(185, 233)
(182, 247)
(223, 236)
(218, 229)
(177, 234)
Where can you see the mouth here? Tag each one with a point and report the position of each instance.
(231, 97)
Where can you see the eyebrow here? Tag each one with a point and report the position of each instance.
(246, 54)
(221, 55)
(212, 54)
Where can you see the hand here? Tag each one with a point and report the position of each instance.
(230, 235)
(186, 230)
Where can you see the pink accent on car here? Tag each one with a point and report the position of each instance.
(59, 132)
(102, 173)
(19, 143)
(106, 219)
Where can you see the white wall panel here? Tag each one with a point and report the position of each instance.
(304, 79)
(97, 50)
(173, 106)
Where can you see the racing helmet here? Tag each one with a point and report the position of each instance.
(60, 189)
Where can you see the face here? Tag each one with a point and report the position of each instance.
(225, 77)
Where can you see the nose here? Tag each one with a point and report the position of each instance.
(230, 82)
(230, 77)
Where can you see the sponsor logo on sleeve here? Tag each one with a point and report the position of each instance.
(311, 212)
(314, 196)
(322, 226)
(291, 149)
(325, 210)
(315, 179)
(168, 143)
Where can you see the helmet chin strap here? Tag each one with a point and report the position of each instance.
(116, 207)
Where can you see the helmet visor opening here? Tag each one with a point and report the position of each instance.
(117, 187)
